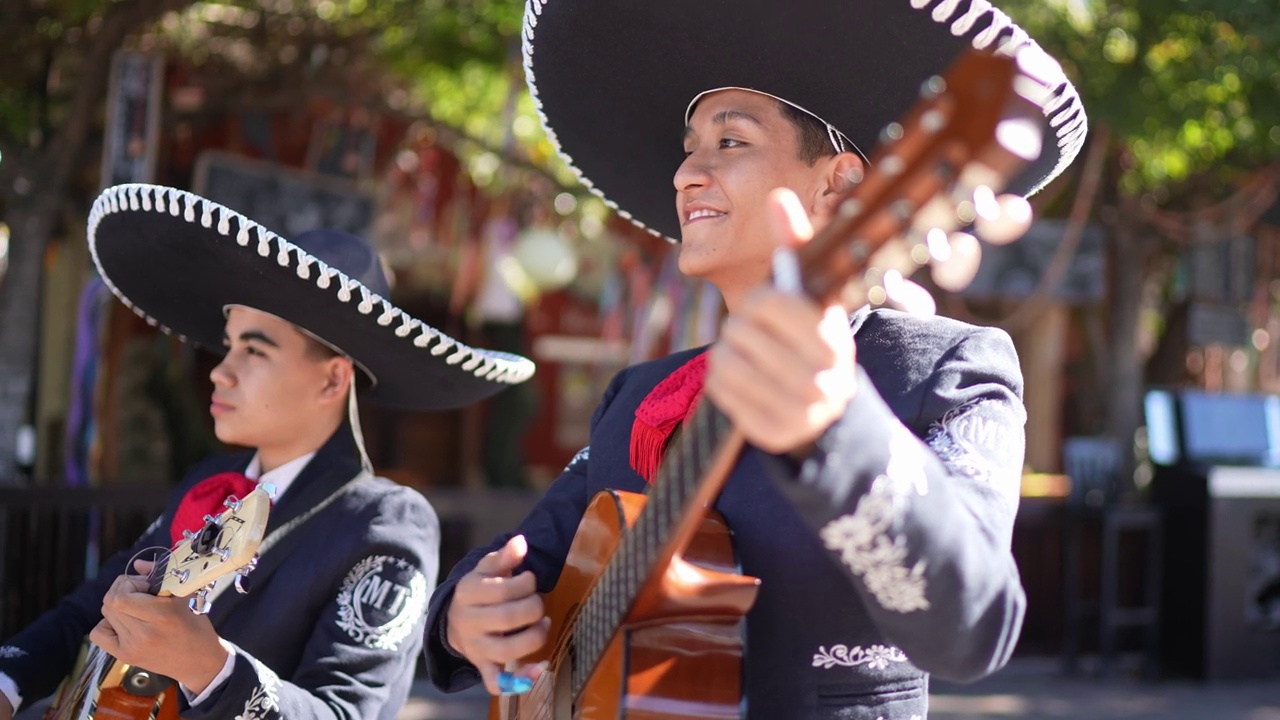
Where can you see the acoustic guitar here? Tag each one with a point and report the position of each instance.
(104, 688)
(648, 616)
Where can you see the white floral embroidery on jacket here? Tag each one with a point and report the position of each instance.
(11, 651)
(875, 657)
(265, 699)
(863, 537)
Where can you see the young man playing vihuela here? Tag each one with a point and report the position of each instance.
(332, 623)
(875, 500)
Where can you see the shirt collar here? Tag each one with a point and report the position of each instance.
(282, 477)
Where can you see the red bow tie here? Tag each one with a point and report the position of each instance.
(206, 498)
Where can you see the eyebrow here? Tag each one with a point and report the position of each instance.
(251, 335)
(724, 116)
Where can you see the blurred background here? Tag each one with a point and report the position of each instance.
(1144, 303)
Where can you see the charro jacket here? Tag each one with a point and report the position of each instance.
(883, 557)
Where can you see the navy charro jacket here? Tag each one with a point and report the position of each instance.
(333, 631)
(883, 557)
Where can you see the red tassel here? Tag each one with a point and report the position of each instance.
(668, 404)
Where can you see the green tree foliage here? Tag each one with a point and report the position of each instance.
(1190, 87)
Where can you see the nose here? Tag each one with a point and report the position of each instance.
(221, 374)
(693, 173)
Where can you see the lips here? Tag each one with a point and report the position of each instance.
(218, 407)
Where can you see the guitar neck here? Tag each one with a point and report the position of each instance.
(689, 479)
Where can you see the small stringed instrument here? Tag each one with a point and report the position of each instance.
(647, 618)
(226, 544)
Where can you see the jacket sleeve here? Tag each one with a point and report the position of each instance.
(42, 654)
(364, 645)
(919, 511)
(549, 529)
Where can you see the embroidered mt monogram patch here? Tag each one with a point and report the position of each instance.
(381, 600)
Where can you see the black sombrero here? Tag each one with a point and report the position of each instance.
(612, 79)
(178, 260)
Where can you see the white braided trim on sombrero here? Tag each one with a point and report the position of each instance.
(1065, 112)
(253, 238)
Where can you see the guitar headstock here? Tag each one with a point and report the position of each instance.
(226, 544)
(969, 133)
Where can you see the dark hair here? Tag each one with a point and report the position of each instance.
(811, 134)
(317, 350)
(321, 351)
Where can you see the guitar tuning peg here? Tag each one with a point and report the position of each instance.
(891, 132)
(188, 535)
(242, 575)
(223, 554)
(933, 87)
(210, 520)
(200, 603)
(935, 241)
(233, 502)
(1000, 220)
(955, 270)
(907, 295)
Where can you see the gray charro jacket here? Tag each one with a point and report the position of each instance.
(333, 631)
(884, 556)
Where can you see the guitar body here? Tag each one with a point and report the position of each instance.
(99, 691)
(119, 703)
(679, 653)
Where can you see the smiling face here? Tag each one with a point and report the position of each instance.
(273, 391)
(738, 147)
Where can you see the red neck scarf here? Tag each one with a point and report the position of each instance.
(668, 404)
(205, 498)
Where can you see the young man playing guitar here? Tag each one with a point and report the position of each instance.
(876, 496)
(332, 623)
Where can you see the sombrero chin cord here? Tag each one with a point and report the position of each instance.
(353, 415)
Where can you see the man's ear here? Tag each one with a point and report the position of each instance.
(840, 173)
(338, 376)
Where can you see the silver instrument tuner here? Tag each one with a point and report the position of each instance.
(242, 579)
(200, 603)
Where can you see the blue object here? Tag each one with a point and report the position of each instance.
(511, 684)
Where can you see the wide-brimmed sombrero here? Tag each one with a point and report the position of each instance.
(179, 260)
(612, 79)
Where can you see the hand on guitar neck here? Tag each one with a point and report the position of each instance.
(160, 634)
(495, 618)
